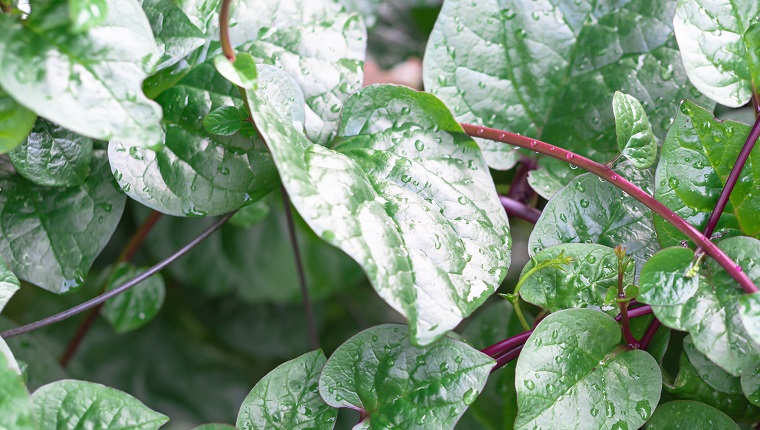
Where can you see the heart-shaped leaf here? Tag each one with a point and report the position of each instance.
(70, 404)
(398, 385)
(15, 406)
(693, 170)
(288, 398)
(407, 195)
(51, 236)
(683, 414)
(16, 122)
(9, 284)
(53, 156)
(669, 277)
(88, 82)
(713, 375)
(635, 139)
(719, 40)
(179, 26)
(135, 307)
(573, 373)
(224, 121)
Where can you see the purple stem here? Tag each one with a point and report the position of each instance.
(649, 334)
(502, 360)
(513, 342)
(520, 210)
(637, 312)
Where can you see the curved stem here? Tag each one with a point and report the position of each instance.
(118, 290)
(501, 347)
(606, 172)
(649, 334)
(224, 30)
(520, 210)
(503, 360)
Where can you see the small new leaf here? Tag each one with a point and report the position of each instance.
(135, 307)
(224, 121)
(635, 139)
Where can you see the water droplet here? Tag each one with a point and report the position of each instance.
(594, 412)
(224, 170)
(609, 409)
(738, 268)
(481, 131)
(521, 33)
(529, 384)
(419, 145)
(470, 396)
(507, 14)
(584, 203)
(135, 153)
(405, 110)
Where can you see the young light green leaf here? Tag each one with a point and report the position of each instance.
(54, 234)
(494, 63)
(683, 414)
(9, 284)
(242, 72)
(416, 208)
(398, 385)
(717, 52)
(635, 139)
(224, 121)
(70, 404)
(697, 146)
(713, 375)
(288, 398)
(669, 277)
(15, 405)
(16, 122)
(134, 308)
(574, 374)
(750, 382)
(592, 270)
(250, 215)
(11, 362)
(53, 156)
(179, 27)
(86, 14)
(100, 97)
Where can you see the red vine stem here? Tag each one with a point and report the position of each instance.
(606, 172)
(224, 31)
(649, 334)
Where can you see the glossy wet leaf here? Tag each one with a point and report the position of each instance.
(416, 206)
(70, 404)
(697, 157)
(588, 210)
(224, 121)
(178, 26)
(53, 156)
(88, 82)
(135, 307)
(574, 374)
(15, 406)
(51, 236)
(214, 426)
(242, 72)
(719, 41)
(713, 375)
(250, 215)
(16, 122)
(750, 382)
(9, 284)
(197, 173)
(749, 312)
(583, 282)
(635, 139)
(85, 14)
(288, 398)
(496, 64)
(669, 277)
(683, 415)
(712, 315)
(402, 386)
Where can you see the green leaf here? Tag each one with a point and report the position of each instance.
(749, 312)
(635, 139)
(718, 49)
(573, 373)
(593, 270)
(397, 385)
(242, 72)
(70, 404)
(179, 26)
(250, 215)
(750, 382)
(495, 64)
(416, 206)
(712, 314)
(713, 375)
(94, 89)
(51, 236)
(198, 173)
(9, 284)
(214, 426)
(15, 406)
(34, 350)
(86, 14)
(16, 122)
(224, 121)
(135, 307)
(288, 398)
(53, 156)
(669, 277)
(687, 415)
(693, 170)
(592, 211)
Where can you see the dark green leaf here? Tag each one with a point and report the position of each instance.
(51, 236)
(16, 122)
(135, 307)
(749, 312)
(688, 415)
(288, 398)
(15, 406)
(713, 375)
(717, 52)
(574, 374)
(697, 157)
(9, 284)
(635, 139)
(94, 88)
(669, 277)
(70, 404)
(750, 382)
(401, 386)
(86, 14)
(53, 156)
(179, 26)
(583, 282)
(224, 121)
(33, 349)
(415, 207)
(250, 215)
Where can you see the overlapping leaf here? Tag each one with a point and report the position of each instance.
(407, 195)
(179, 26)
(15, 406)
(88, 82)
(398, 385)
(574, 374)
(51, 236)
(689, 414)
(135, 307)
(713, 375)
(16, 122)
(635, 139)
(669, 277)
(9, 284)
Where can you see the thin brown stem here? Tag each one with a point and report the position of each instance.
(224, 31)
(605, 172)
